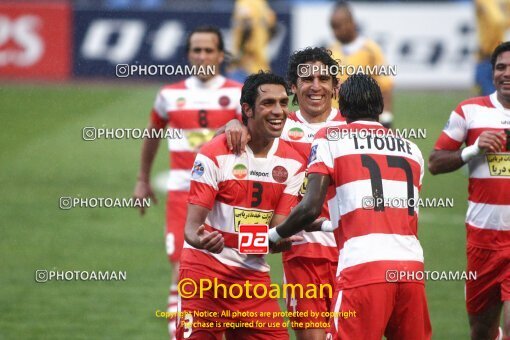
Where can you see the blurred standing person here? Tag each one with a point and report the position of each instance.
(253, 26)
(352, 48)
(492, 18)
(198, 105)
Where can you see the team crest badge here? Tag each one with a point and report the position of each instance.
(280, 174)
(224, 101)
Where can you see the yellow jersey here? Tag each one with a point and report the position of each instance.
(361, 52)
(261, 18)
(493, 18)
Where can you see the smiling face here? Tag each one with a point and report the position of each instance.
(314, 93)
(269, 113)
(501, 78)
(204, 51)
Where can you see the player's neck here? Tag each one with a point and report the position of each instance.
(321, 118)
(349, 121)
(505, 101)
(260, 146)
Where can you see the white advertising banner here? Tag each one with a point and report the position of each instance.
(433, 45)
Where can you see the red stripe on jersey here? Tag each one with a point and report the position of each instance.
(246, 193)
(201, 194)
(302, 148)
(229, 83)
(487, 238)
(320, 168)
(231, 240)
(484, 101)
(200, 262)
(445, 142)
(389, 221)
(474, 133)
(182, 160)
(196, 119)
(158, 122)
(482, 190)
(311, 250)
(287, 202)
(375, 272)
(351, 169)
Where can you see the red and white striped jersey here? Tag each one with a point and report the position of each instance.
(373, 237)
(488, 214)
(198, 109)
(240, 189)
(299, 134)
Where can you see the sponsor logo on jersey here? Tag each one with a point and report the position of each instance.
(253, 239)
(224, 101)
(198, 170)
(259, 173)
(499, 164)
(251, 216)
(296, 133)
(197, 138)
(180, 102)
(302, 190)
(280, 174)
(240, 171)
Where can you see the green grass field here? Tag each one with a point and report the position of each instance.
(43, 157)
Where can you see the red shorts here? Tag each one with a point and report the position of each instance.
(176, 207)
(492, 284)
(395, 310)
(248, 324)
(303, 271)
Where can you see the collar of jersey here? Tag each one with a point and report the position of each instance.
(332, 114)
(270, 153)
(212, 84)
(494, 99)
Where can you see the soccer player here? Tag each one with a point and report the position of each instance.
(492, 18)
(313, 260)
(379, 252)
(481, 123)
(253, 25)
(258, 187)
(198, 105)
(352, 48)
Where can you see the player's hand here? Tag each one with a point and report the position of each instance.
(237, 136)
(143, 190)
(284, 244)
(315, 225)
(213, 242)
(492, 141)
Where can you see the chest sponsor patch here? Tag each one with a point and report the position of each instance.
(240, 171)
(499, 164)
(251, 216)
(197, 138)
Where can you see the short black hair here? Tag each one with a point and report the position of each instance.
(360, 97)
(342, 4)
(206, 29)
(308, 55)
(503, 47)
(250, 89)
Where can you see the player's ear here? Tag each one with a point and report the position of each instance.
(247, 110)
(293, 88)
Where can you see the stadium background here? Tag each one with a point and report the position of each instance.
(59, 77)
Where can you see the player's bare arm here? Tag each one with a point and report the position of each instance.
(143, 188)
(286, 243)
(307, 211)
(443, 161)
(195, 233)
